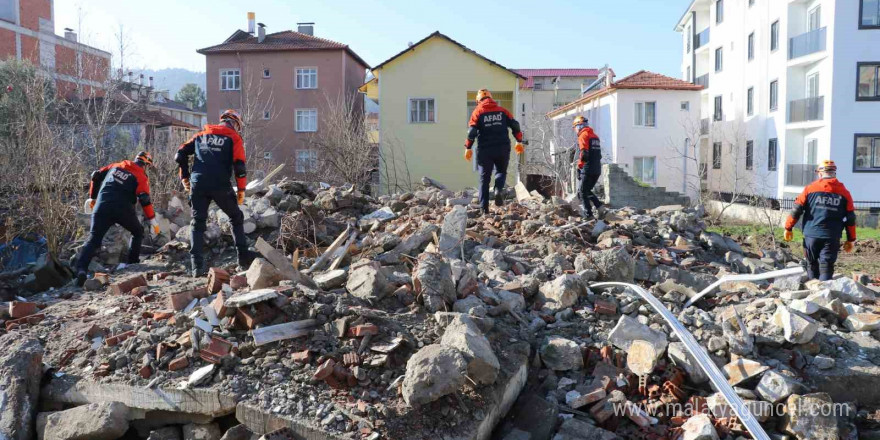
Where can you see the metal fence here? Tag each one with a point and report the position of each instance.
(872, 207)
(805, 44)
(807, 109)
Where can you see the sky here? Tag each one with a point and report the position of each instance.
(628, 35)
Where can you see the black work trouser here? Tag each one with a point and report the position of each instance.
(821, 255)
(587, 183)
(492, 161)
(102, 220)
(227, 201)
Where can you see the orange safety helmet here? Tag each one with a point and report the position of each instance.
(827, 166)
(483, 94)
(579, 120)
(144, 157)
(232, 117)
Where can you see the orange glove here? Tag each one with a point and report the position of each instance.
(155, 226)
(92, 203)
(789, 235)
(468, 154)
(849, 246)
(241, 197)
(186, 185)
(519, 148)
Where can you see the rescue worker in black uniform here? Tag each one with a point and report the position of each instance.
(589, 163)
(488, 127)
(827, 209)
(218, 153)
(113, 192)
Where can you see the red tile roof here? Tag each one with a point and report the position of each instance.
(532, 73)
(642, 79)
(242, 41)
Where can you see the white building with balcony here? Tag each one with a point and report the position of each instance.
(788, 83)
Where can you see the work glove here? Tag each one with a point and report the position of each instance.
(91, 203)
(789, 235)
(154, 226)
(849, 246)
(241, 197)
(468, 154)
(186, 185)
(519, 148)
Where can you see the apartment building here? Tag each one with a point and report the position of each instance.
(547, 89)
(788, 83)
(282, 83)
(27, 31)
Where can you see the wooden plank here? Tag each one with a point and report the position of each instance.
(330, 250)
(295, 262)
(343, 251)
(280, 332)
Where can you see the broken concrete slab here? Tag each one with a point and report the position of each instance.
(810, 417)
(628, 330)
(263, 274)
(561, 354)
(453, 232)
(331, 279)
(252, 297)
(742, 370)
(464, 335)
(281, 263)
(614, 264)
(20, 374)
(280, 332)
(96, 421)
(432, 280)
(862, 322)
(848, 289)
(775, 387)
(433, 372)
(561, 293)
(797, 328)
(367, 280)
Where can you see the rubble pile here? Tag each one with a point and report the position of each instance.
(413, 316)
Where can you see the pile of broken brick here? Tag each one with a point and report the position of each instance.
(420, 318)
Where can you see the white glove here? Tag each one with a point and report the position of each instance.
(154, 227)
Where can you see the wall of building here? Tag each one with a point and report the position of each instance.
(441, 70)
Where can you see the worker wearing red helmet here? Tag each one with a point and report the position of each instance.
(488, 127)
(113, 192)
(218, 154)
(589, 163)
(827, 209)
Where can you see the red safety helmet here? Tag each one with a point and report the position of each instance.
(233, 118)
(144, 158)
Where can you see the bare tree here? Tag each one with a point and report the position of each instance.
(393, 167)
(550, 153)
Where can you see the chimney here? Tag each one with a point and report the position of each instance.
(69, 34)
(306, 28)
(130, 80)
(151, 82)
(261, 32)
(252, 19)
(141, 80)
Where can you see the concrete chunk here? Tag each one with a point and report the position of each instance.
(368, 281)
(628, 330)
(797, 328)
(562, 293)
(686, 361)
(561, 354)
(97, 421)
(331, 279)
(862, 322)
(263, 274)
(810, 417)
(742, 370)
(432, 278)
(775, 387)
(453, 232)
(20, 374)
(433, 372)
(464, 335)
(699, 427)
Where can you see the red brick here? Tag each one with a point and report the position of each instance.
(350, 359)
(363, 330)
(128, 285)
(302, 357)
(215, 351)
(118, 339)
(103, 278)
(254, 315)
(27, 320)
(178, 364)
(140, 291)
(325, 370)
(21, 309)
(216, 279)
(238, 282)
(146, 371)
(161, 349)
(603, 307)
(162, 315)
(219, 304)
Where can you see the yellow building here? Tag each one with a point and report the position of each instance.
(426, 95)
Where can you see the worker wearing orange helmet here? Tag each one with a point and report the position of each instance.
(488, 127)
(113, 192)
(827, 209)
(589, 163)
(218, 153)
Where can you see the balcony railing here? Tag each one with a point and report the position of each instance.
(805, 44)
(809, 109)
(799, 174)
(702, 80)
(701, 39)
(704, 126)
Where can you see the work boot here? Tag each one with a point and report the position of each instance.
(81, 278)
(245, 258)
(198, 267)
(587, 214)
(499, 197)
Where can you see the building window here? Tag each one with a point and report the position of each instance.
(267, 73)
(751, 46)
(867, 153)
(688, 38)
(307, 120)
(646, 114)
(774, 95)
(267, 155)
(719, 59)
(7, 11)
(644, 169)
(750, 101)
(774, 36)
(307, 78)
(539, 86)
(716, 155)
(230, 79)
(869, 13)
(686, 106)
(771, 154)
(719, 11)
(868, 82)
(719, 113)
(422, 110)
(750, 155)
(267, 114)
(306, 161)
(688, 77)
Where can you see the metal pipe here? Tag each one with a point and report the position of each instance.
(702, 358)
(791, 271)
